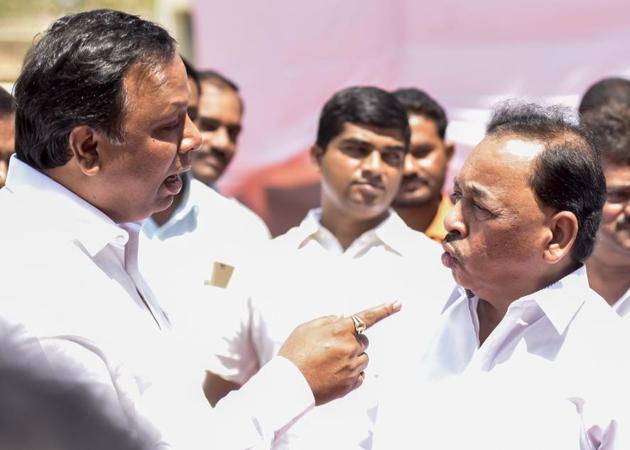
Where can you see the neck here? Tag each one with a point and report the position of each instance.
(419, 216)
(347, 228)
(608, 280)
(162, 217)
(492, 310)
(489, 318)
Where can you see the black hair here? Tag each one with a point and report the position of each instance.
(610, 128)
(218, 79)
(567, 174)
(364, 105)
(191, 72)
(603, 92)
(7, 103)
(416, 101)
(74, 75)
(222, 82)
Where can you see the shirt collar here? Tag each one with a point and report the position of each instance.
(58, 205)
(559, 301)
(188, 209)
(391, 232)
(622, 306)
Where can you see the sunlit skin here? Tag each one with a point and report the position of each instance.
(219, 121)
(609, 265)
(360, 170)
(425, 168)
(7, 146)
(130, 181)
(161, 217)
(502, 243)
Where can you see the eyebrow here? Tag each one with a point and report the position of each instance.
(477, 191)
(617, 186)
(356, 141)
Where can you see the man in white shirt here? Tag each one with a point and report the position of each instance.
(102, 140)
(523, 342)
(609, 265)
(211, 236)
(220, 118)
(352, 251)
(421, 202)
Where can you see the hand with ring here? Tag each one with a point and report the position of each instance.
(330, 351)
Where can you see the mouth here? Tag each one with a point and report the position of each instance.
(412, 184)
(449, 258)
(370, 185)
(624, 225)
(212, 158)
(173, 183)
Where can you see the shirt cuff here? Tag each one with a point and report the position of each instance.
(278, 394)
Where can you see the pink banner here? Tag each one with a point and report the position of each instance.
(289, 57)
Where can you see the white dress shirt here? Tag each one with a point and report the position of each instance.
(69, 274)
(557, 357)
(306, 274)
(182, 258)
(622, 306)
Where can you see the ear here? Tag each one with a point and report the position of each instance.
(316, 153)
(83, 142)
(564, 228)
(449, 149)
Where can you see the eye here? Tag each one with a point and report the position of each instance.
(421, 151)
(456, 196)
(206, 124)
(355, 150)
(171, 126)
(616, 196)
(233, 132)
(192, 113)
(393, 157)
(480, 212)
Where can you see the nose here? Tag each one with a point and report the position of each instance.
(455, 222)
(220, 138)
(410, 166)
(373, 163)
(191, 138)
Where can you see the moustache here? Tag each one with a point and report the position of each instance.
(623, 224)
(212, 151)
(416, 178)
(451, 236)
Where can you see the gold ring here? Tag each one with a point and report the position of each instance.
(359, 325)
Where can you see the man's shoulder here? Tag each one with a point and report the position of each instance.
(218, 207)
(411, 242)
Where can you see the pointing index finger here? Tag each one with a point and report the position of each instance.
(375, 314)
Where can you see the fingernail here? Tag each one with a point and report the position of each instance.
(396, 305)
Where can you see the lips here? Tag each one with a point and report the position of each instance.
(624, 225)
(449, 258)
(213, 158)
(173, 184)
(371, 185)
(413, 183)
